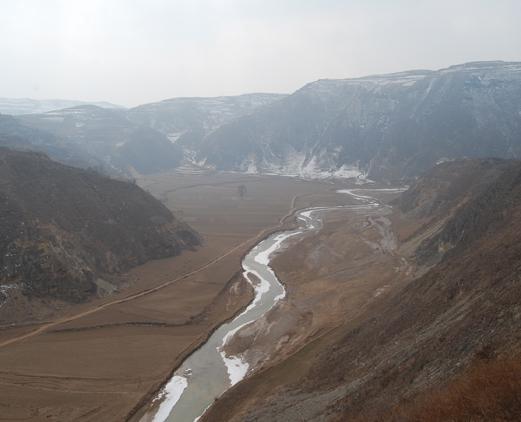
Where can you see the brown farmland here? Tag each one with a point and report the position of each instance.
(100, 360)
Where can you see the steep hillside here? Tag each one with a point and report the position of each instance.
(186, 121)
(64, 229)
(384, 127)
(147, 139)
(460, 310)
(110, 136)
(14, 134)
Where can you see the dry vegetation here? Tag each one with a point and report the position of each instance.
(421, 338)
(98, 362)
(488, 391)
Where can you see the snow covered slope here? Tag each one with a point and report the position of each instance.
(187, 121)
(384, 127)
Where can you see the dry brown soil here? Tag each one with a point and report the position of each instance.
(98, 361)
(331, 277)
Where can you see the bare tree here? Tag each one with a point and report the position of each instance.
(241, 189)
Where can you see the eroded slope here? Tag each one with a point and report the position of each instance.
(459, 229)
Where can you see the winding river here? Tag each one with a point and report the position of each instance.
(209, 371)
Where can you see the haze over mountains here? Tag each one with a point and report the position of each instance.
(16, 106)
(146, 139)
(260, 211)
(110, 136)
(14, 134)
(384, 301)
(187, 121)
(385, 127)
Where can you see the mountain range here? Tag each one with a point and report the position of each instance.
(110, 136)
(383, 127)
(448, 265)
(15, 106)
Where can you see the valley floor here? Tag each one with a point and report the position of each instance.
(104, 359)
(332, 276)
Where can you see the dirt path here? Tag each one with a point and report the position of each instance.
(146, 292)
(164, 195)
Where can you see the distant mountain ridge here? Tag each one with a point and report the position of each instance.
(188, 120)
(14, 134)
(120, 145)
(15, 106)
(383, 127)
(150, 138)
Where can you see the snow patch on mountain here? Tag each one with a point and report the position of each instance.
(174, 136)
(297, 164)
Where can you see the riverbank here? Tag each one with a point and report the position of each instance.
(99, 366)
(331, 277)
(205, 367)
(210, 370)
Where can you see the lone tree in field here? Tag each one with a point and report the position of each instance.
(241, 189)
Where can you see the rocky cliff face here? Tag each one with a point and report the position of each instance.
(384, 127)
(61, 228)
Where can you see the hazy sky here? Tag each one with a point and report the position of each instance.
(136, 51)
